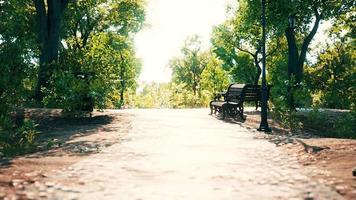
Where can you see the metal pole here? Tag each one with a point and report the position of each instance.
(264, 123)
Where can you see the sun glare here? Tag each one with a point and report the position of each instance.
(169, 23)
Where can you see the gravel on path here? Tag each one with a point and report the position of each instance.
(184, 154)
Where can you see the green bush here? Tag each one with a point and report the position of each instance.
(183, 98)
(332, 78)
(70, 92)
(331, 125)
(15, 140)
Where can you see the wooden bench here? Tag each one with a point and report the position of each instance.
(230, 103)
(253, 94)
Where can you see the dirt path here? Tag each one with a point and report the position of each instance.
(184, 154)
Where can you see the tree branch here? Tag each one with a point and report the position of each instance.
(246, 51)
(309, 38)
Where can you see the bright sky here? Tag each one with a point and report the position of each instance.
(170, 22)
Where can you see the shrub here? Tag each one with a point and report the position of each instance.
(71, 93)
(331, 125)
(15, 140)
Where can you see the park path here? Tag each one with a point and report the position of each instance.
(184, 154)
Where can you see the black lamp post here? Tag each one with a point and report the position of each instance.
(264, 123)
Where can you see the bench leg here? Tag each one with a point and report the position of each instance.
(211, 108)
(223, 112)
(256, 102)
(241, 112)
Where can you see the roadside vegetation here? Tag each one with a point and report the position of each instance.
(73, 55)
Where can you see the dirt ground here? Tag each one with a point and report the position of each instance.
(70, 140)
(74, 139)
(333, 159)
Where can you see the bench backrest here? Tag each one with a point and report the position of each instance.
(252, 93)
(235, 92)
(245, 92)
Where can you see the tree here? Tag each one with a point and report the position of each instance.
(308, 15)
(305, 11)
(187, 70)
(82, 19)
(89, 17)
(228, 45)
(86, 19)
(236, 37)
(214, 78)
(333, 77)
(197, 75)
(49, 17)
(16, 42)
(17, 135)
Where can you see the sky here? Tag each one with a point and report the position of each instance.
(169, 23)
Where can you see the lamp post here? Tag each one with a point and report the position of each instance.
(264, 123)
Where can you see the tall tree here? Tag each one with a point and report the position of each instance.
(16, 52)
(188, 69)
(49, 17)
(308, 14)
(85, 19)
(237, 36)
(229, 46)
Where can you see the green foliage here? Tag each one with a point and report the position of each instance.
(197, 75)
(214, 77)
(281, 109)
(15, 53)
(187, 70)
(176, 94)
(17, 139)
(99, 45)
(153, 95)
(182, 98)
(224, 45)
(332, 78)
(86, 18)
(279, 10)
(17, 70)
(94, 74)
(330, 125)
(235, 52)
(245, 71)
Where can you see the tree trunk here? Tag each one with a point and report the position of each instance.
(259, 71)
(122, 79)
(123, 86)
(292, 65)
(304, 48)
(293, 56)
(194, 85)
(49, 23)
(256, 61)
(296, 60)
